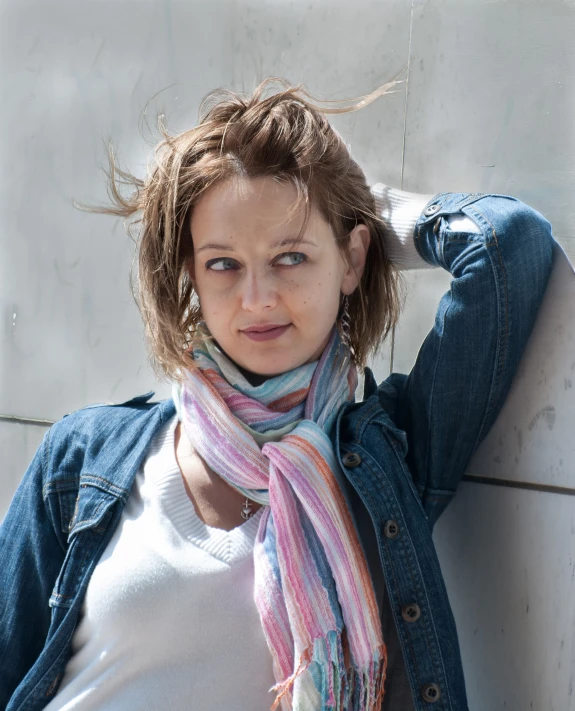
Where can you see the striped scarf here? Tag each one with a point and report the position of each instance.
(313, 590)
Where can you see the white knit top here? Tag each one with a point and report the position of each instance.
(169, 620)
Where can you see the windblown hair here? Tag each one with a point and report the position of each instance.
(284, 135)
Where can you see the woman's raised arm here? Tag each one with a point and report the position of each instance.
(499, 252)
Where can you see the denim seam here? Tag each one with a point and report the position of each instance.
(94, 515)
(502, 338)
(366, 416)
(363, 417)
(46, 461)
(48, 490)
(108, 483)
(411, 483)
(65, 518)
(45, 477)
(32, 694)
(46, 449)
(503, 347)
(59, 596)
(417, 236)
(432, 388)
(469, 241)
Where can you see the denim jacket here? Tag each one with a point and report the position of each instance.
(403, 450)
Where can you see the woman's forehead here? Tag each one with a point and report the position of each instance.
(260, 198)
(257, 206)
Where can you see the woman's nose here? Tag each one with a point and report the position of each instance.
(258, 292)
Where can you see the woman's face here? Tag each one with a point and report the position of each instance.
(270, 305)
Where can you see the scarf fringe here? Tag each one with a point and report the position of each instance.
(340, 688)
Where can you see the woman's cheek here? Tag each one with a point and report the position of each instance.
(308, 298)
(318, 303)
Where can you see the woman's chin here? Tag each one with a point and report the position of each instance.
(268, 359)
(269, 370)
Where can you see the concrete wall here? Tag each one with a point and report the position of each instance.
(488, 105)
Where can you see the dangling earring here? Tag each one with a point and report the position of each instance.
(201, 321)
(343, 327)
(345, 323)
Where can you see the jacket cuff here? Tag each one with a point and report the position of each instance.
(400, 210)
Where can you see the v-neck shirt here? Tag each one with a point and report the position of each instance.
(169, 618)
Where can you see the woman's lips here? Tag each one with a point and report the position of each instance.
(268, 334)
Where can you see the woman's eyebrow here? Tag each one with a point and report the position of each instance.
(275, 245)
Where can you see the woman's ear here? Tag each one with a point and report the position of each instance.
(359, 239)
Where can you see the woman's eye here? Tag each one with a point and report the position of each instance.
(290, 259)
(226, 264)
(223, 264)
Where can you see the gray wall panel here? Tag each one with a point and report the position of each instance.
(73, 74)
(507, 557)
(491, 103)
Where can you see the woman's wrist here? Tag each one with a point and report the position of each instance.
(400, 210)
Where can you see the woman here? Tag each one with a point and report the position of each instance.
(261, 539)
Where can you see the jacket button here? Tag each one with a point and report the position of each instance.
(391, 529)
(351, 459)
(431, 693)
(436, 225)
(411, 612)
(431, 210)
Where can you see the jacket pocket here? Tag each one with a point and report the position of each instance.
(92, 515)
(396, 436)
(92, 510)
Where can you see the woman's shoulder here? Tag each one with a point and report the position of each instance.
(93, 426)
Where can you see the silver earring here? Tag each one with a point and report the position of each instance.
(345, 323)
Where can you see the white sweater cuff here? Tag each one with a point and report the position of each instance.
(400, 210)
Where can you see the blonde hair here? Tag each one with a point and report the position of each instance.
(284, 135)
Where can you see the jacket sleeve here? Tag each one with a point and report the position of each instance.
(499, 253)
(31, 555)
